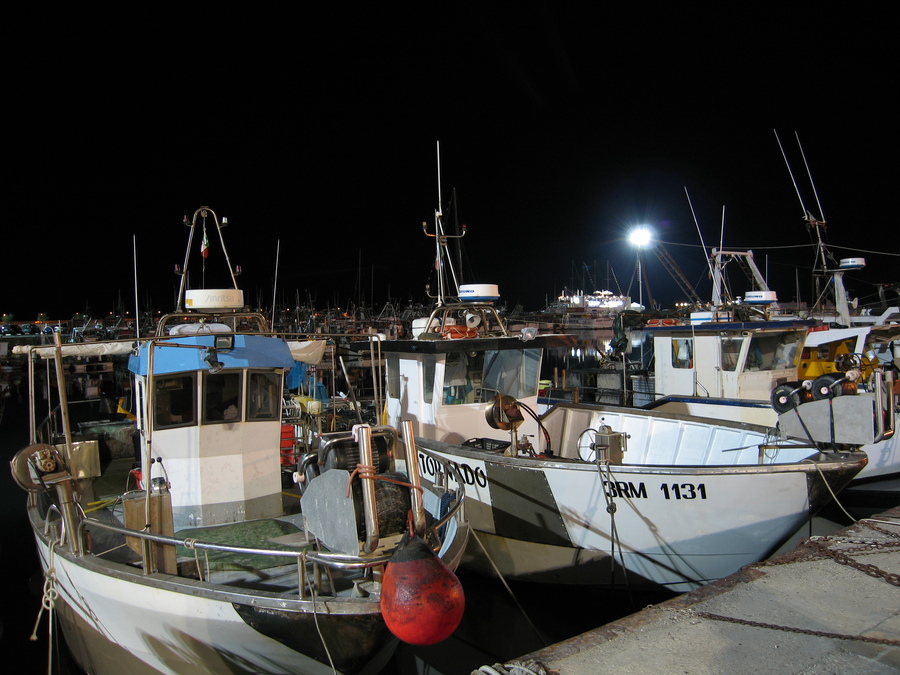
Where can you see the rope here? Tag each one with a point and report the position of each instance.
(506, 586)
(529, 667)
(190, 544)
(301, 568)
(48, 603)
(825, 481)
(611, 508)
(368, 473)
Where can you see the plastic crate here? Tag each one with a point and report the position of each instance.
(486, 444)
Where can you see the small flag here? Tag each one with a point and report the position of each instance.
(204, 246)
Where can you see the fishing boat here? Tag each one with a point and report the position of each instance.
(725, 369)
(592, 494)
(753, 371)
(166, 539)
(587, 493)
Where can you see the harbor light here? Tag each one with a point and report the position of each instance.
(640, 237)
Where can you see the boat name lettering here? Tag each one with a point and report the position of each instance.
(467, 474)
(684, 490)
(628, 490)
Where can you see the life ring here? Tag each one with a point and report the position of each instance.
(458, 332)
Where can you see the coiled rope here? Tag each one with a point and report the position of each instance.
(48, 603)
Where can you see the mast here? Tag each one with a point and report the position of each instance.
(823, 254)
(441, 257)
(716, 299)
(203, 212)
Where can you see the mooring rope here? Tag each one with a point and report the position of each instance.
(529, 667)
(825, 481)
(48, 603)
(506, 585)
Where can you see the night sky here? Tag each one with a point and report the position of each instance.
(560, 128)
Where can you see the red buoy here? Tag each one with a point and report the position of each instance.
(422, 601)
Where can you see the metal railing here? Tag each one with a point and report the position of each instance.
(81, 541)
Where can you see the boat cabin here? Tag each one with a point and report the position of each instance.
(743, 361)
(436, 383)
(209, 413)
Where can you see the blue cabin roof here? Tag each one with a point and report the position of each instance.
(250, 351)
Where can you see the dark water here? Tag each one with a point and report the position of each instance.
(497, 628)
(494, 627)
(21, 570)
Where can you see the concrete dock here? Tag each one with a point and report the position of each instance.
(832, 605)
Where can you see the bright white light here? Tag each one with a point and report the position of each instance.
(640, 237)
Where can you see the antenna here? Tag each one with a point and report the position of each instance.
(275, 282)
(697, 224)
(823, 253)
(440, 241)
(811, 222)
(811, 182)
(137, 302)
(806, 214)
(439, 177)
(722, 230)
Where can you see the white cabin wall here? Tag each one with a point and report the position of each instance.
(669, 379)
(217, 473)
(411, 405)
(708, 366)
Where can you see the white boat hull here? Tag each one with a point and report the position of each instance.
(562, 521)
(158, 624)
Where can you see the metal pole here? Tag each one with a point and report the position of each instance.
(363, 432)
(415, 478)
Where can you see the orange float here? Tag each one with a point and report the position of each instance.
(422, 601)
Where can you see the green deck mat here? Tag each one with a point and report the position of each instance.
(250, 534)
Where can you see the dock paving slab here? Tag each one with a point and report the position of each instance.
(830, 606)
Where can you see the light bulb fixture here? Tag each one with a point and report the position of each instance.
(215, 366)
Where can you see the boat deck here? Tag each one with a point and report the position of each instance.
(234, 568)
(801, 611)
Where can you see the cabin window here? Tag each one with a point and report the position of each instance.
(222, 397)
(773, 351)
(476, 377)
(393, 376)
(264, 396)
(174, 401)
(463, 374)
(682, 352)
(731, 351)
(429, 362)
(513, 372)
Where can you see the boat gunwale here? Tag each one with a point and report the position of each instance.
(830, 463)
(225, 592)
(96, 564)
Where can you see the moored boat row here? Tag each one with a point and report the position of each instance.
(173, 542)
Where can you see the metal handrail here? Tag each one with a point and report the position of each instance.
(336, 560)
